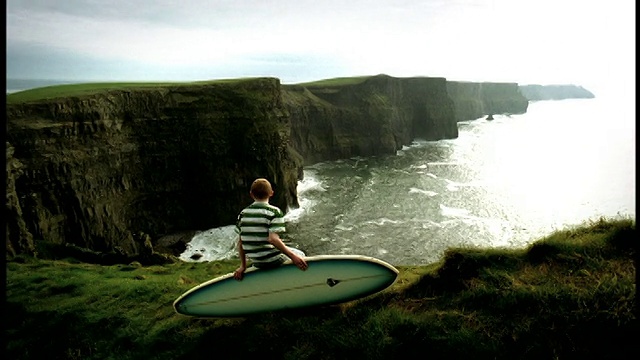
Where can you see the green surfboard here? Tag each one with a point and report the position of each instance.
(329, 279)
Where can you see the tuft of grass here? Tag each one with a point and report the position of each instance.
(568, 295)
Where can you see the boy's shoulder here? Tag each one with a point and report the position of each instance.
(264, 205)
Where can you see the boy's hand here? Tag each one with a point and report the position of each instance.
(299, 262)
(239, 273)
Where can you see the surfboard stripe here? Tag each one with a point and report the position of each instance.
(330, 282)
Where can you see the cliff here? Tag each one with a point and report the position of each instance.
(367, 116)
(475, 100)
(112, 170)
(342, 118)
(116, 170)
(555, 92)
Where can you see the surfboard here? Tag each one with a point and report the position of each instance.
(328, 280)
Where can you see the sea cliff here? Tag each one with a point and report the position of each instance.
(115, 171)
(475, 100)
(555, 92)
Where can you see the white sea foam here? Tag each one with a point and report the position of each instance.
(451, 186)
(455, 186)
(455, 212)
(211, 245)
(420, 168)
(344, 228)
(443, 163)
(309, 183)
(294, 215)
(420, 142)
(382, 221)
(420, 191)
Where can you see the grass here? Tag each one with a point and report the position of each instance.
(341, 81)
(83, 89)
(570, 295)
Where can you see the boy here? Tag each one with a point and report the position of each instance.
(258, 226)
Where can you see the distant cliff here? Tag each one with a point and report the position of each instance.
(342, 118)
(474, 100)
(554, 92)
(113, 171)
(369, 116)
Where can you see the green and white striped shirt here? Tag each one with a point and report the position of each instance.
(254, 224)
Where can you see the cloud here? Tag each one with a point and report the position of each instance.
(525, 41)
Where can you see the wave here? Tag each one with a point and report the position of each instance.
(420, 191)
(309, 184)
(212, 245)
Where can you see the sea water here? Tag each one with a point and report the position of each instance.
(503, 183)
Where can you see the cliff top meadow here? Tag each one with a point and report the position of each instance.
(91, 88)
(85, 89)
(570, 295)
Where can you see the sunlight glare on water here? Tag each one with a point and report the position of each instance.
(501, 183)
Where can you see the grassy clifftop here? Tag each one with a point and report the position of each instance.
(86, 89)
(570, 295)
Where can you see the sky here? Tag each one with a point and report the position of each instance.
(583, 42)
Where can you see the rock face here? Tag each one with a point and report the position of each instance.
(100, 171)
(555, 92)
(117, 170)
(372, 116)
(475, 100)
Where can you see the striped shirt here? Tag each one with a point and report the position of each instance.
(254, 224)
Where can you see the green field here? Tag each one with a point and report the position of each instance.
(341, 81)
(570, 295)
(84, 89)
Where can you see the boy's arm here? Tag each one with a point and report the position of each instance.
(275, 240)
(239, 273)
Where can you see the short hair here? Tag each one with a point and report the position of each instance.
(261, 188)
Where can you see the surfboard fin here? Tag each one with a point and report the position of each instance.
(332, 282)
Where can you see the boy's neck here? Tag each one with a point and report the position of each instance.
(262, 200)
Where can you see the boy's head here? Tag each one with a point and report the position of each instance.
(261, 189)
